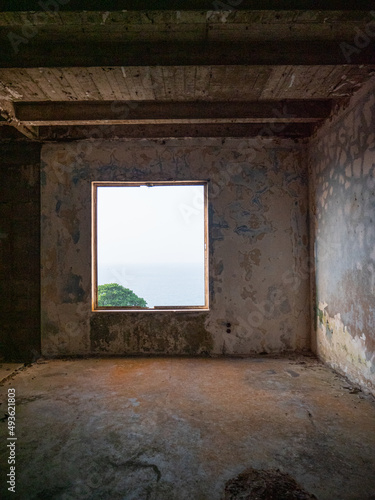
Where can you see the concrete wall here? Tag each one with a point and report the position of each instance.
(19, 251)
(259, 282)
(342, 187)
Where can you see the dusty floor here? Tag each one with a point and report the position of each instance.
(8, 369)
(180, 428)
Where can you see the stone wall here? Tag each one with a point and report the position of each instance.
(259, 281)
(342, 171)
(19, 251)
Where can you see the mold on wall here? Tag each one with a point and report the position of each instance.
(259, 278)
(19, 251)
(342, 195)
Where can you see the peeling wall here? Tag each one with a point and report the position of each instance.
(259, 280)
(342, 170)
(19, 251)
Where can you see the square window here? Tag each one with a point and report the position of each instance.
(150, 246)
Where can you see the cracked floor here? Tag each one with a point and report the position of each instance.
(173, 428)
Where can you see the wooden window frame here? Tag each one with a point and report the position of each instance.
(94, 266)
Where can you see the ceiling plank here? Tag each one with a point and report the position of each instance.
(190, 83)
(44, 113)
(71, 54)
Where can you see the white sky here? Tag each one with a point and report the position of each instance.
(159, 224)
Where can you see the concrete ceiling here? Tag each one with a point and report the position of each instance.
(230, 68)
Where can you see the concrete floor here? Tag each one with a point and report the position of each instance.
(180, 428)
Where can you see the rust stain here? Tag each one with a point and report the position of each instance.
(255, 256)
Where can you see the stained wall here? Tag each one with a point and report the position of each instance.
(342, 196)
(258, 237)
(19, 251)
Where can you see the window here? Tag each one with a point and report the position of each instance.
(150, 246)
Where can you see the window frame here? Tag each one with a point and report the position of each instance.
(94, 247)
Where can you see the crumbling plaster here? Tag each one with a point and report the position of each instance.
(259, 277)
(342, 187)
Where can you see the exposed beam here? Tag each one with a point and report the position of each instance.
(137, 112)
(164, 121)
(291, 130)
(104, 5)
(27, 131)
(83, 54)
(8, 115)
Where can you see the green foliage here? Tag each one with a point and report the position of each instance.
(112, 295)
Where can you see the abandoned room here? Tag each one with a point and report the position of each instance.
(187, 248)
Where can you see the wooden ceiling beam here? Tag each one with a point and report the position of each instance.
(290, 130)
(8, 118)
(150, 5)
(122, 112)
(93, 54)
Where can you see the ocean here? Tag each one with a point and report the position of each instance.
(159, 284)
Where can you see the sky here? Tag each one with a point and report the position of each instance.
(159, 224)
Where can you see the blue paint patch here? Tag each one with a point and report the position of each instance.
(76, 236)
(219, 268)
(79, 173)
(135, 173)
(216, 225)
(181, 164)
(256, 199)
(245, 230)
(58, 206)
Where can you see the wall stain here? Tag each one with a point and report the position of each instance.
(72, 291)
(342, 168)
(151, 333)
(247, 208)
(100, 336)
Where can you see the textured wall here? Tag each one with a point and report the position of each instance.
(19, 251)
(342, 163)
(259, 281)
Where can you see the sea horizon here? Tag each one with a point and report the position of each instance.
(160, 284)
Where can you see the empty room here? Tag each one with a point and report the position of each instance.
(187, 250)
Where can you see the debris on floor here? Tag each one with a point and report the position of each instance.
(253, 484)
